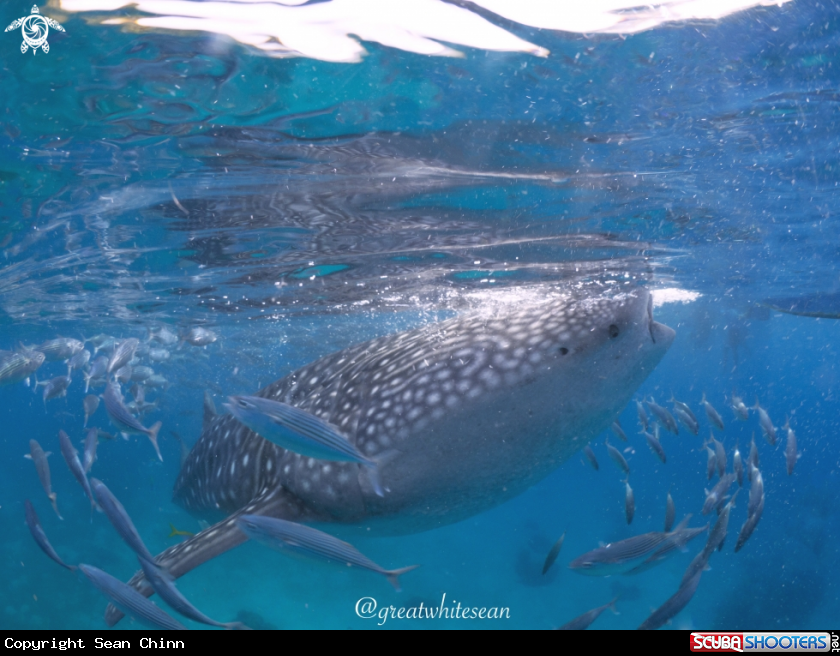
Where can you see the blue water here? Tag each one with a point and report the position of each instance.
(297, 207)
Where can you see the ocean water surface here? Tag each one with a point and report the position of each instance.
(301, 177)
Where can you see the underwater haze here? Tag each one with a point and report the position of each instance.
(244, 188)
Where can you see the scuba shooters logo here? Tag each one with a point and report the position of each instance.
(748, 641)
(35, 29)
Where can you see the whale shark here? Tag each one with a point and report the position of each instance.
(462, 415)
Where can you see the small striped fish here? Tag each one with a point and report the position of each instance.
(129, 601)
(71, 457)
(119, 518)
(312, 543)
(674, 605)
(123, 419)
(299, 431)
(40, 537)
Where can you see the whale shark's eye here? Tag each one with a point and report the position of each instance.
(563, 350)
(613, 330)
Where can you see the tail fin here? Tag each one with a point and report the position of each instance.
(372, 467)
(53, 499)
(392, 575)
(153, 435)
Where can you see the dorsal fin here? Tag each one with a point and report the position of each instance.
(214, 541)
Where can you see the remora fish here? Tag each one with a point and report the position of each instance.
(312, 543)
(299, 431)
(40, 537)
(71, 457)
(61, 348)
(590, 456)
(617, 458)
(583, 621)
(635, 554)
(552, 555)
(790, 448)
(129, 601)
(18, 366)
(36, 454)
(123, 419)
(712, 414)
(439, 397)
(674, 605)
(165, 587)
(90, 403)
(122, 354)
(117, 515)
(665, 418)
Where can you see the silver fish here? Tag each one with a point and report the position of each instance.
(685, 409)
(200, 336)
(673, 605)
(618, 431)
(71, 457)
(119, 518)
(307, 541)
(655, 446)
(123, 374)
(617, 458)
(552, 555)
(718, 492)
(738, 466)
(129, 601)
(90, 403)
(753, 458)
(711, 463)
(742, 412)
(18, 366)
(634, 554)
(590, 456)
(643, 418)
(766, 425)
(720, 455)
(122, 354)
(138, 393)
(158, 354)
(665, 418)
(687, 420)
(299, 431)
(790, 448)
(718, 533)
(583, 621)
(97, 371)
(101, 342)
(91, 440)
(670, 513)
(40, 537)
(61, 348)
(164, 585)
(165, 336)
(434, 407)
(78, 361)
(749, 525)
(124, 420)
(712, 414)
(629, 502)
(756, 491)
(54, 387)
(156, 381)
(141, 373)
(36, 454)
